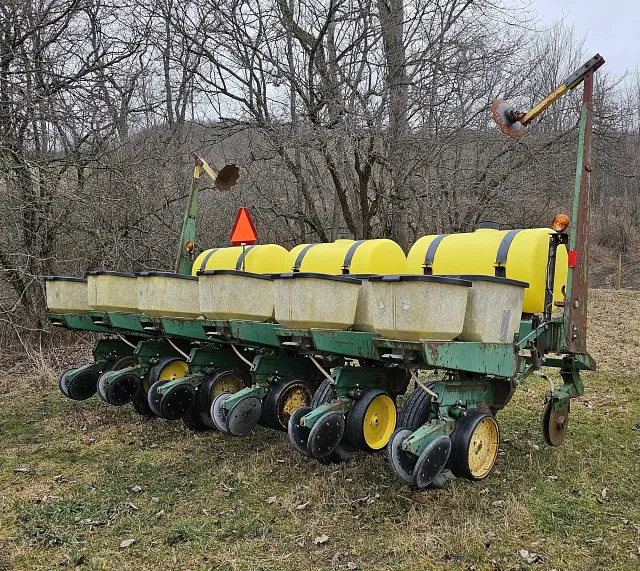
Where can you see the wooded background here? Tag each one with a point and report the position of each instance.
(370, 116)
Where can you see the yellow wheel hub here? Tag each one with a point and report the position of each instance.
(229, 383)
(379, 422)
(483, 448)
(172, 371)
(294, 398)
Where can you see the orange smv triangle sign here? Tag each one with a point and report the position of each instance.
(244, 231)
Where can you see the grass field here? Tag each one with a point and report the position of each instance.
(79, 479)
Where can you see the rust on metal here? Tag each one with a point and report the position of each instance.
(576, 324)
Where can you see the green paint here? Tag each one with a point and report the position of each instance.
(127, 321)
(255, 391)
(497, 359)
(188, 232)
(350, 380)
(83, 322)
(207, 359)
(354, 344)
(107, 349)
(184, 328)
(262, 334)
(419, 440)
(338, 405)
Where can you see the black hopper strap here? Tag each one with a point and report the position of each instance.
(431, 254)
(503, 252)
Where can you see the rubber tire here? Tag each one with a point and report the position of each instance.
(154, 372)
(417, 410)
(185, 391)
(299, 435)
(204, 400)
(402, 463)
(431, 462)
(123, 363)
(86, 385)
(355, 417)
(460, 443)
(271, 403)
(323, 394)
(195, 420)
(128, 397)
(244, 410)
(315, 447)
(154, 400)
(344, 452)
(60, 385)
(141, 403)
(219, 421)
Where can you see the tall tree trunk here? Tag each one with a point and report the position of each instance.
(392, 27)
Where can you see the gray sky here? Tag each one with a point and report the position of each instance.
(611, 27)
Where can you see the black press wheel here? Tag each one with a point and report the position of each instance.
(62, 382)
(282, 400)
(431, 462)
(219, 415)
(371, 420)
(154, 398)
(402, 462)
(326, 434)
(197, 421)
(177, 401)
(344, 452)
(299, 435)
(198, 417)
(166, 369)
(79, 387)
(125, 389)
(244, 415)
(475, 444)
(122, 390)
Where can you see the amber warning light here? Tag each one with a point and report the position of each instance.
(560, 222)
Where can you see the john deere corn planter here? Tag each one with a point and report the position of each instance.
(321, 341)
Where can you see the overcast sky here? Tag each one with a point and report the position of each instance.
(612, 27)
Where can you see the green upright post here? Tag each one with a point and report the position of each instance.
(188, 233)
(575, 315)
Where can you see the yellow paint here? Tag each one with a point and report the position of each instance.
(380, 256)
(484, 447)
(261, 259)
(546, 102)
(475, 253)
(295, 397)
(379, 422)
(174, 370)
(228, 383)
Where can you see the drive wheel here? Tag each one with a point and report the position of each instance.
(371, 420)
(475, 445)
(555, 423)
(282, 400)
(418, 409)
